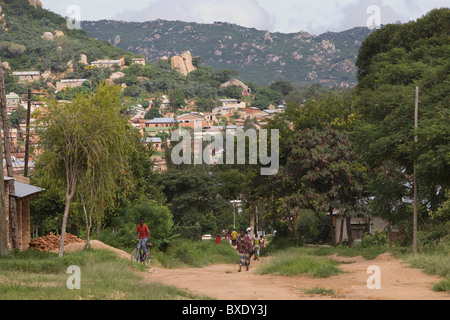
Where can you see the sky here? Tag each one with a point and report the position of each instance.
(287, 16)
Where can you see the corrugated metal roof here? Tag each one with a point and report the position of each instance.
(23, 190)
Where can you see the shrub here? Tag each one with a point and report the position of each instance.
(157, 217)
(376, 239)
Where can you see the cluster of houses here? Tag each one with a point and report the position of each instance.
(18, 133)
(230, 116)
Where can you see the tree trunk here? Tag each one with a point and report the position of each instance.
(3, 226)
(64, 223)
(252, 216)
(7, 147)
(88, 220)
(341, 231)
(70, 191)
(349, 232)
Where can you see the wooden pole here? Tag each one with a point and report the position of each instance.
(416, 125)
(27, 139)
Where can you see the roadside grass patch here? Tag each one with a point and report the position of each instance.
(366, 253)
(297, 261)
(320, 291)
(434, 264)
(104, 276)
(197, 254)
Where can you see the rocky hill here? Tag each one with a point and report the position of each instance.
(32, 38)
(258, 56)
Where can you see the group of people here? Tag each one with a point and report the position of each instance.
(246, 246)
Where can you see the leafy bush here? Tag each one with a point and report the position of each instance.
(157, 217)
(376, 239)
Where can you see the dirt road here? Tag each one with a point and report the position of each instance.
(223, 282)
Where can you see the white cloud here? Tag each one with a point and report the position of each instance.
(243, 12)
(274, 15)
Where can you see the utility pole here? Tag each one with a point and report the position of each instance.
(27, 140)
(416, 126)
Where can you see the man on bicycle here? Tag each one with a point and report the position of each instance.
(143, 231)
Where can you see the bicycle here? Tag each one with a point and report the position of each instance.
(139, 255)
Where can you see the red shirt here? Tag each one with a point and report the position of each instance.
(143, 231)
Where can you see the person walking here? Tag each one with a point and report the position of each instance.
(245, 248)
(233, 237)
(256, 246)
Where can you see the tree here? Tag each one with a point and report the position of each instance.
(83, 146)
(14, 221)
(177, 99)
(392, 61)
(3, 224)
(152, 113)
(222, 76)
(284, 87)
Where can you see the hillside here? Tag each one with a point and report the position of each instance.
(39, 40)
(258, 56)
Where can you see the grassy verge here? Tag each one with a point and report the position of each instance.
(320, 291)
(434, 262)
(366, 253)
(196, 254)
(104, 276)
(296, 261)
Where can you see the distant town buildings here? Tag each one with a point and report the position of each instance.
(27, 76)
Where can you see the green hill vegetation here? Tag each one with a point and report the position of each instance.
(259, 56)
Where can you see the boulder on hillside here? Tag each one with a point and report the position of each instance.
(183, 63)
(48, 36)
(237, 83)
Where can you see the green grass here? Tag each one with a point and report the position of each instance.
(196, 254)
(320, 290)
(104, 276)
(434, 263)
(366, 253)
(298, 261)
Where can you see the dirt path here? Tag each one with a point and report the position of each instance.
(223, 282)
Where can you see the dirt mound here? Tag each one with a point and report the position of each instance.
(52, 241)
(95, 244)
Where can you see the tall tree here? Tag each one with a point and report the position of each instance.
(83, 145)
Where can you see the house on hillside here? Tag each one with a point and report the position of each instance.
(233, 103)
(27, 76)
(23, 194)
(190, 120)
(12, 102)
(154, 142)
(161, 123)
(71, 83)
(140, 61)
(107, 63)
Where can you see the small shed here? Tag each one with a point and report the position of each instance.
(23, 194)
